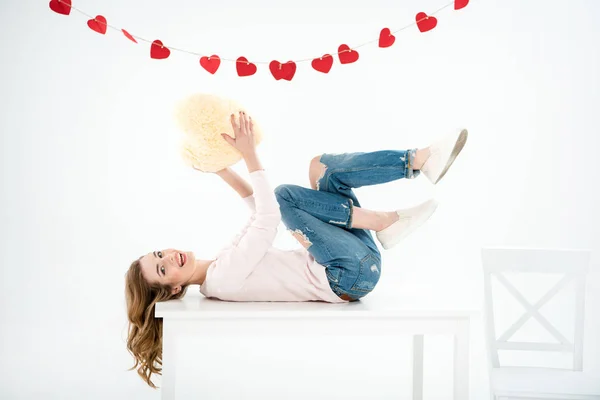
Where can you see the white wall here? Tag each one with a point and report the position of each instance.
(91, 176)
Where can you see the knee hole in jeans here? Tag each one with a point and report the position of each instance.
(301, 238)
(316, 172)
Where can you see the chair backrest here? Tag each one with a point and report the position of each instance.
(572, 265)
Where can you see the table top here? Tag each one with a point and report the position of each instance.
(196, 306)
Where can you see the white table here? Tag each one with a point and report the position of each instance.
(199, 316)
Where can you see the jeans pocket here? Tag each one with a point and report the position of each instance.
(368, 274)
(333, 274)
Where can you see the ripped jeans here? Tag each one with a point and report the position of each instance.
(324, 216)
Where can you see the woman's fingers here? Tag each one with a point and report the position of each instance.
(243, 123)
(233, 123)
(247, 121)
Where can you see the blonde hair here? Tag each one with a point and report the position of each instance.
(144, 338)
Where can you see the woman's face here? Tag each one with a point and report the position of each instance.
(171, 267)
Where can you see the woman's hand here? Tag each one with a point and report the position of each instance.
(244, 134)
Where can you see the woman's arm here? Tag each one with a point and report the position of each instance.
(236, 182)
(252, 243)
(239, 261)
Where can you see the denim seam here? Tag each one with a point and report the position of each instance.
(330, 276)
(351, 205)
(333, 170)
(315, 204)
(329, 170)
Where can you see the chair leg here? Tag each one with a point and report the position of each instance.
(418, 342)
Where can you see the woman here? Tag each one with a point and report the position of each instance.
(339, 261)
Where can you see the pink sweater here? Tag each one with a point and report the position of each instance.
(251, 269)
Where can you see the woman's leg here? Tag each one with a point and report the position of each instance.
(350, 255)
(339, 173)
(330, 208)
(317, 220)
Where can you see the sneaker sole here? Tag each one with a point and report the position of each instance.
(458, 146)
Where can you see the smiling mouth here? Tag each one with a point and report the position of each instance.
(181, 259)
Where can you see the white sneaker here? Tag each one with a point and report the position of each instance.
(443, 153)
(409, 220)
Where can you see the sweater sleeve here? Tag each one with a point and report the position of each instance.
(250, 202)
(238, 261)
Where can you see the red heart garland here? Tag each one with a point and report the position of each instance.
(158, 51)
(458, 4)
(128, 36)
(323, 64)
(98, 24)
(61, 6)
(386, 39)
(211, 64)
(346, 55)
(425, 22)
(283, 71)
(244, 68)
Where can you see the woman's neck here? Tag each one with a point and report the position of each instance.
(199, 274)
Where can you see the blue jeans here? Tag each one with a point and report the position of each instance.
(324, 216)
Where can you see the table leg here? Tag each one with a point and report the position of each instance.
(418, 341)
(169, 363)
(461, 361)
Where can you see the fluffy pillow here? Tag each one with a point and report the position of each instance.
(202, 118)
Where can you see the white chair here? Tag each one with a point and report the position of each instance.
(526, 381)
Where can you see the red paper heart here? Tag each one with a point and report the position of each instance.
(283, 71)
(244, 68)
(386, 39)
(425, 22)
(158, 51)
(211, 64)
(323, 64)
(128, 36)
(458, 4)
(98, 24)
(346, 55)
(61, 6)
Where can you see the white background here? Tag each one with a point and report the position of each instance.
(91, 174)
